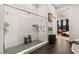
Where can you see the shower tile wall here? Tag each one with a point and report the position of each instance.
(20, 25)
(1, 27)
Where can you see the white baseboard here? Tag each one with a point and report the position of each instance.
(32, 48)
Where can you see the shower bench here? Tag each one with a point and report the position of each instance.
(25, 48)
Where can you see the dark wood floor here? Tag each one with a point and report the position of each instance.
(60, 47)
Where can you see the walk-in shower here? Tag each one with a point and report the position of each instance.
(20, 23)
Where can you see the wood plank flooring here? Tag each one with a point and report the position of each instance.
(60, 47)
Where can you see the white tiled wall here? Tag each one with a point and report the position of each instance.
(21, 24)
(1, 27)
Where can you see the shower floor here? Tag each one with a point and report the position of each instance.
(19, 48)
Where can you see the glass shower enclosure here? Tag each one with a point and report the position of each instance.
(18, 26)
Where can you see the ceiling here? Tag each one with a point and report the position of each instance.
(57, 6)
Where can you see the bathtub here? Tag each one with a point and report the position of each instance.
(75, 47)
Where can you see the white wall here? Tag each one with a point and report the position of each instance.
(13, 18)
(74, 22)
(43, 22)
(42, 10)
(53, 24)
(21, 24)
(1, 27)
(28, 7)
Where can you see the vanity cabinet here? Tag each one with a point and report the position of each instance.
(52, 38)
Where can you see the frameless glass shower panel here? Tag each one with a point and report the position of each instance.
(43, 29)
(19, 25)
